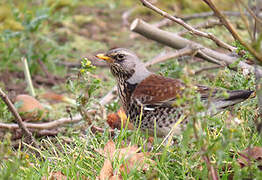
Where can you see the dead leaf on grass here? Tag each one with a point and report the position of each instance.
(115, 120)
(129, 156)
(55, 176)
(249, 155)
(106, 171)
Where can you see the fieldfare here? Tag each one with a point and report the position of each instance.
(150, 99)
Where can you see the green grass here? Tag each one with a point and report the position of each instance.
(58, 31)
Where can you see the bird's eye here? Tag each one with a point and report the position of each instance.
(120, 56)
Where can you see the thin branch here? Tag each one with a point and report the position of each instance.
(244, 18)
(205, 25)
(28, 135)
(47, 125)
(166, 22)
(211, 13)
(179, 53)
(251, 12)
(44, 69)
(177, 42)
(126, 15)
(207, 69)
(232, 30)
(188, 27)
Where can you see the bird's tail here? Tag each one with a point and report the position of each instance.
(234, 97)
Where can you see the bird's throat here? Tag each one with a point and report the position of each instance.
(125, 90)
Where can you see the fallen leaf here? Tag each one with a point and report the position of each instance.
(115, 177)
(106, 171)
(249, 155)
(129, 156)
(108, 150)
(57, 98)
(55, 176)
(115, 120)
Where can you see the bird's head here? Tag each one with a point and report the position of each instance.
(125, 65)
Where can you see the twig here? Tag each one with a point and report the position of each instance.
(207, 68)
(244, 18)
(95, 129)
(177, 42)
(28, 77)
(28, 135)
(232, 30)
(207, 24)
(165, 22)
(126, 15)
(208, 14)
(179, 53)
(47, 125)
(44, 69)
(251, 12)
(188, 27)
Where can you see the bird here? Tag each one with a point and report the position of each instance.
(149, 99)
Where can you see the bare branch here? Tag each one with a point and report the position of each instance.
(188, 27)
(126, 15)
(207, 24)
(177, 42)
(207, 68)
(244, 18)
(182, 52)
(28, 135)
(251, 12)
(165, 21)
(232, 30)
(47, 125)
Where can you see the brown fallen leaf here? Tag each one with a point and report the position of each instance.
(249, 155)
(109, 149)
(106, 171)
(129, 156)
(55, 176)
(51, 96)
(114, 120)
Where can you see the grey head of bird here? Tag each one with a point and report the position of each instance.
(125, 65)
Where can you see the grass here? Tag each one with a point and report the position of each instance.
(58, 31)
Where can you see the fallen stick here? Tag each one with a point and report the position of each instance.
(47, 125)
(20, 124)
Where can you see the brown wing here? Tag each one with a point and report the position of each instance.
(157, 89)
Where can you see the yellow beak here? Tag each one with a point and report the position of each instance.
(104, 57)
